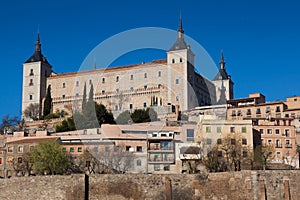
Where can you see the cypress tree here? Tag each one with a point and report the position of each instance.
(84, 97)
(48, 102)
(91, 94)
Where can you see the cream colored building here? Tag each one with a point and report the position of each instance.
(167, 83)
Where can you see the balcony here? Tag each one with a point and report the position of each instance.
(288, 145)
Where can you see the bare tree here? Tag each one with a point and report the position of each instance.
(22, 165)
(32, 111)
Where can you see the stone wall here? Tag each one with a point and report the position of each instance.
(257, 185)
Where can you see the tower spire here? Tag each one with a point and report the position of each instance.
(222, 61)
(180, 27)
(38, 43)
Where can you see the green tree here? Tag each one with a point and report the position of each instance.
(66, 125)
(141, 115)
(103, 116)
(49, 158)
(48, 102)
(123, 118)
(84, 97)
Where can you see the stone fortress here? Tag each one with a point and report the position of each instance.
(167, 83)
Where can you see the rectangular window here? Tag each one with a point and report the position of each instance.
(208, 141)
(258, 111)
(219, 141)
(232, 129)
(145, 105)
(244, 129)
(20, 149)
(30, 97)
(138, 163)
(232, 141)
(277, 131)
(190, 135)
(277, 108)
(145, 75)
(277, 154)
(156, 167)
(64, 149)
(79, 149)
(72, 149)
(131, 77)
(208, 129)
(248, 111)
(233, 113)
(77, 83)
(287, 132)
(261, 131)
(239, 113)
(166, 167)
(219, 129)
(117, 79)
(103, 80)
(128, 148)
(159, 73)
(269, 131)
(31, 82)
(10, 149)
(130, 106)
(64, 85)
(244, 141)
(177, 81)
(139, 149)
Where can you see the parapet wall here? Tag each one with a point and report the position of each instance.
(257, 185)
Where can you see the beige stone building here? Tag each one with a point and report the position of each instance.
(277, 122)
(165, 84)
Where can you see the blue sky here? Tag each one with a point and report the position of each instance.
(260, 39)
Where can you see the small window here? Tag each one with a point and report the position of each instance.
(173, 60)
(244, 129)
(130, 106)
(159, 73)
(90, 81)
(156, 167)
(10, 149)
(261, 131)
(177, 81)
(131, 88)
(95, 149)
(64, 85)
(219, 129)
(117, 79)
(77, 94)
(20, 159)
(103, 91)
(117, 90)
(248, 111)
(277, 108)
(244, 141)
(208, 141)
(233, 141)
(79, 149)
(208, 129)
(219, 141)
(20, 149)
(138, 163)
(64, 149)
(63, 96)
(239, 113)
(131, 77)
(72, 149)
(245, 154)
(180, 60)
(31, 72)
(145, 105)
(269, 131)
(190, 135)
(277, 131)
(31, 82)
(233, 113)
(145, 75)
(268, 110)
(77, 83)
(128, 148)
(139, 149)
(219, 153)
(166, 167)
(232, 129)
(277, 154)
(177, 98)
(103, 80)
(258, 111)
(145, 87)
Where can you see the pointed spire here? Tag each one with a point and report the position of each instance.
(222, 61)
(180, 28)
(38, 43)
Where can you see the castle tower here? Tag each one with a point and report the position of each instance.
(180, 61)
(35, 72)
(223, 83)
